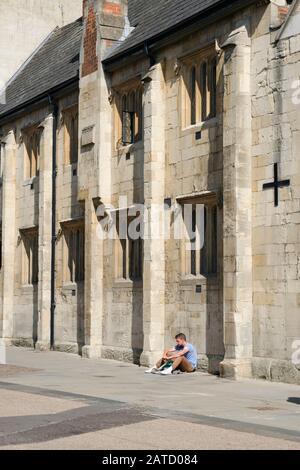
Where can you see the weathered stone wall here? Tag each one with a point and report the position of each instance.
(247, 314)
(191, 166)
(24, 24)
(197, 166)
(123, 299)
(276, 247)
(28, 308)
(69, 316)
(25, 301)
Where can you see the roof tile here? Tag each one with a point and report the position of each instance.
(53, 64)
(156, 16)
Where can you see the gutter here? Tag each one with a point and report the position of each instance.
(53, 221)
(148, 54)
(36, 101)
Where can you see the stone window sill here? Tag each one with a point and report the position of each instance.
(70, 166)
(127, 283)
(28, 287)
(30, 181)
(70, 286)
(200, 279)
(201, 126)
(124, 149)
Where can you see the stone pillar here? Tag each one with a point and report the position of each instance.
(9, 238)
(237, 180)
(154, 190)
(45, 234)
(93, 294)
(104, 25)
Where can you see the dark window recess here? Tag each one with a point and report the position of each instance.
(128, 127)
(193, 96)
(31, 254)
(75, 255)
(203, 253)
(203, 82)
(213, 85)
(214, 242)
(203, 260)
(193, 241)
(168, 202)
(136, 259)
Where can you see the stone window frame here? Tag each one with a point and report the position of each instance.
(30, 256)
(192, 264)
(73, 260)
(199, 71)
(70, 122)
(128, 268)
(32, 151)
(128, 98)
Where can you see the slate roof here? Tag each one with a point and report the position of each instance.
(53, 64)
(135, 10)
(152, 17)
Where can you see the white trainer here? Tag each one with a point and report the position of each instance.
(152, 370)
(167, 371)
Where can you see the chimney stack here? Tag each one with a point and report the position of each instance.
(105, 22)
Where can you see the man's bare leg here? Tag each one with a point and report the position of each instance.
(183, 364)
(160, 363)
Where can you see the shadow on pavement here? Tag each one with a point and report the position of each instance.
(295, 400)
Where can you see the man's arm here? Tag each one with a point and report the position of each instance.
(180, 353)
(168, 351)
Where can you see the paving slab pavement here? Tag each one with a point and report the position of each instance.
(268, 414)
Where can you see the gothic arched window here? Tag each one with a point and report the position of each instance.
(200, 84)
(193, 84)
(71, 135)
(129, 110)
(32, 139)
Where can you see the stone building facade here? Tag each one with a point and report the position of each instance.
(168, 109)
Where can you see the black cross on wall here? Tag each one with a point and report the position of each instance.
(276, 185)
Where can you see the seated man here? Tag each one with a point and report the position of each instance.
(183, 356)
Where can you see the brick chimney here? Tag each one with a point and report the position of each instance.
(279, 12)
(105, 22)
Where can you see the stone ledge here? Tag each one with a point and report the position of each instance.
(122, 354)
(23, 342)
(91, 352)
(275, 370)
(210, 363)
(42, 346)
(72, 348)
(236, 368)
